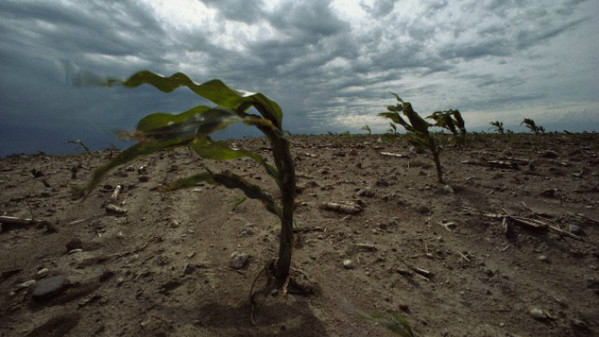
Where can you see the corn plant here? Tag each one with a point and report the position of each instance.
(451, 120)
(192, 129)
(497, 126)
(367, 129)
(417, 127)
(530, 124)
(80, 144)
(392, 129)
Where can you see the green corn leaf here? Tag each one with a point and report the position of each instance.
(209, 149)
(395, 108)
(229, 180)
(397, 97)
(418, 123)
(214, 90)
(160, 119)
(197, 125)
(140, 149)
(459, 120)
(396, 118)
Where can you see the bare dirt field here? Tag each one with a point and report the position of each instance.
(508, 246)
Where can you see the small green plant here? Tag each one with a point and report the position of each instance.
(192, 129)
(451, 120)
(367, 129)
(237, 201)
(392, 129)
(417, 127)
(497, 126)
(394, 322)
(531, 125)
(80, 144)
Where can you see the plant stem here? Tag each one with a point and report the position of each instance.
(435, 151)
(285, 166)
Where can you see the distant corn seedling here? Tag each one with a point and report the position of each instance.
(497, 126)
(417, 128)
(451, 120)
(532, 126)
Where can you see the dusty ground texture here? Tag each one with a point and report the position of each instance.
(429, 252)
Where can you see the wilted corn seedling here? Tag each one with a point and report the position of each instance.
(497, 126)
(367, 129)
(417, 127)
(530, 124)
(192, 129)
(451, 120)
(80, 144)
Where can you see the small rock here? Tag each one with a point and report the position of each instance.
(143, 178)
(43, 272)
(120, 280)
(246, 232)
(549, 154)
(580, 324)
(188, 269)
(74, 251)
(538, 314)
(74, 244)
(448, 189)
(368, 193)
(26, 284)
(49, 287)
(543, 258)
(106, 275)
(575, 229)
(348, 264)
(238, 260)
(550, 193)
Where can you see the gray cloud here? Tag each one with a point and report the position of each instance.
(329, 67)
(247, 11)
(380, 7)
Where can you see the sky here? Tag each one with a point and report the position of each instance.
(330, 64)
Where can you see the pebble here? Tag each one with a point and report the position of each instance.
(43, 272)
(543, 258)
(538, 314)
(348, 264)
(368, 193)
(580, 324)
(238, 260)
(49, 287)
(26, 284)
(74, 244)
(448, 189)
(188, 269)
(575, 229)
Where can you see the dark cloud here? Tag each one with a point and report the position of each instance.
(327, 70)
(247, 11)
(380, 8)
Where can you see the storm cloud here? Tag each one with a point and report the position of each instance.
(329, 64)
